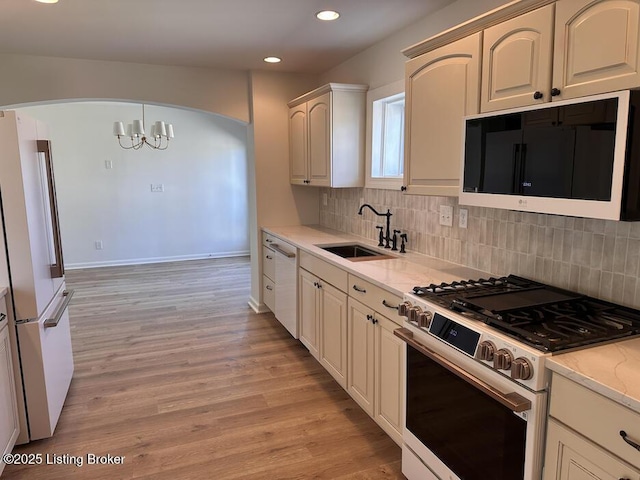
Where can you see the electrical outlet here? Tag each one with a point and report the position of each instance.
(446, 215)
(157, 187)
(108, 164)
(464, 218)
(98, 244)
(325, 199)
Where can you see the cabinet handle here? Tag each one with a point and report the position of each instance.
(403, 188)
(319, 285)
(53, 322)
(555, 92)
(358, 289)
(269, 258)
(537, 95)
(369, 318)
(269, 287)
(374, 320)
(625, 437)
(384, 302)
(268, 240)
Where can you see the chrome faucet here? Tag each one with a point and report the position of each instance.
(387, 237)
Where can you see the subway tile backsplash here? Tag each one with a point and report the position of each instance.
(600, 258)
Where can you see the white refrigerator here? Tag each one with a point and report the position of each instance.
(31, 266)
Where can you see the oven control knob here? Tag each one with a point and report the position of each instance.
(521, 369)
(502, 359)
(424, 319)
(486, 350)
(403, 309)
(413, 313)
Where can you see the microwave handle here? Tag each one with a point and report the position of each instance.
(515, 402)
(516, 180)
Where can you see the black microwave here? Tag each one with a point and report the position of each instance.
(579, 157)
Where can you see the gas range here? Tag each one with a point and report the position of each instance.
(511, 324)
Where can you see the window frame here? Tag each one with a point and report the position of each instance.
(389, 90)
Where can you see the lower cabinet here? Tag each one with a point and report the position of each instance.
(584, 446)
(376, 367)
(9, 427)
(309, 309)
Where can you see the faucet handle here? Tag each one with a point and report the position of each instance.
(403, 237)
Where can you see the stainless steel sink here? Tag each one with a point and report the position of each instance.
(355, 252)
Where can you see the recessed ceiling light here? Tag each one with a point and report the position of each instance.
(272, 59)
(47, 1)
(327, 15)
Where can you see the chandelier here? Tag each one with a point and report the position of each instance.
(158, 138)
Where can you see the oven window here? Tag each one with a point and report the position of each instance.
(475, 436)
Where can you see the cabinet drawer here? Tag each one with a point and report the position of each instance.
(269, 293)
(596, 417)
(268, 239)
(325, 271)
(375, 297)
(268, 263)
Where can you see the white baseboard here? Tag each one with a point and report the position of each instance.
(257, 306)
(141, 261)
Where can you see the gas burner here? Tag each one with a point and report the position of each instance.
(545, 317)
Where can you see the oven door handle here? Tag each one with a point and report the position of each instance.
(515, 402)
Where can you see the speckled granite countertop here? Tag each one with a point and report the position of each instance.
(612, 370)
(398, 275)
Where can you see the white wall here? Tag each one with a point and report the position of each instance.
(203, 210)
(27, 79)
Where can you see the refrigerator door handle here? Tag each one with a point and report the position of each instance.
(53, 322)
(57, 269)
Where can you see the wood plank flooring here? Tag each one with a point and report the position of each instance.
(177, 374)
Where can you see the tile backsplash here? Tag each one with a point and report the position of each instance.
(600, 258)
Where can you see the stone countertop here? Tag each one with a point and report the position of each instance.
(612, 370)
(397, 275)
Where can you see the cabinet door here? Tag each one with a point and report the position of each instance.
(333, 332)
(516, 61)
(569, 456)
(309, 309)
(390, 366)
(361, 355)
(9, 428)
(596, 47)
(319, 113)
(442, 87)
(298, 144)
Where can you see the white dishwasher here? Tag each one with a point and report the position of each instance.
(286, 295)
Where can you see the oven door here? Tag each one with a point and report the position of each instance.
(463, 424)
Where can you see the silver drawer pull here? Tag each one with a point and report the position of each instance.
(384, 302)
(53, 322)
(358, 289)
(626, 438)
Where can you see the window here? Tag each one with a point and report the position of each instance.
(385, 142)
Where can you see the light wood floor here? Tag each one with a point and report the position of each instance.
(176, 373)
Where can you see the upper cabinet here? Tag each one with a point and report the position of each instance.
(442, 86)
(595, 47)
(516, 61)
(326, 136)
(591, 47)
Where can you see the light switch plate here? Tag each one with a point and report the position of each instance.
(464, 218)
(446, 215)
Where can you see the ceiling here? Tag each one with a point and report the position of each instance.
(234, 34)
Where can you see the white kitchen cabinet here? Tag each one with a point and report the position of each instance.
(581, 445)
(333, 331)
(587, 47)
(9, 427)
(323, 314)
(442, 86)
(326, 136)
(376, 355)
(516, 61)
(362, 355)
(309, 308)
